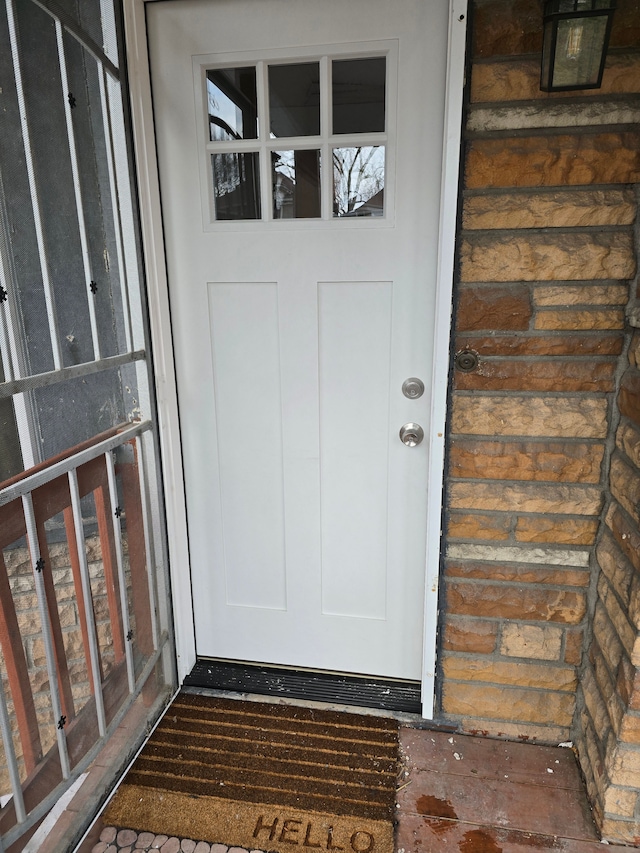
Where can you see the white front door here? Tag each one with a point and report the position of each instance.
(300, 152)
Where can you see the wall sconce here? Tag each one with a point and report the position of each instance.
(574, 48)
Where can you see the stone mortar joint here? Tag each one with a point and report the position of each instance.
(633, 314)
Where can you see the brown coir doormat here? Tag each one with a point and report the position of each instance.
(264, 776)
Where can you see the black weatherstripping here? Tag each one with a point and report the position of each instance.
(365, 692)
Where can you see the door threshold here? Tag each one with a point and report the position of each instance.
(387, 694)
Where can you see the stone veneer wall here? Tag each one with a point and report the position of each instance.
(547, 258)
(20, 575)
(608, 719)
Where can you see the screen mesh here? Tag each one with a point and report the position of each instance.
(65, 266)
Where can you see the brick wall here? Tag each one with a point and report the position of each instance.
(547, 258)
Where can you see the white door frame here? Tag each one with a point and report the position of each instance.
(162, 346)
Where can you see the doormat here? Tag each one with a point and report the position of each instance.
(264, 776)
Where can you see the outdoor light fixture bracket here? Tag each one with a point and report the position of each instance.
(576, 37)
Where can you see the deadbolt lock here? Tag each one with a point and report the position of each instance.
(413, 388)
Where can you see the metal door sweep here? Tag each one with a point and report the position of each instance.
(362, 691)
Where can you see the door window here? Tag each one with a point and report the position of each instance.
(297, 140)
(358, 95)
(236, 184)
(232, 100)
(294, 99)
(296, 184)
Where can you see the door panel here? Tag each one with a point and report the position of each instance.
(297, 321)
(355, 324)
(244, 332)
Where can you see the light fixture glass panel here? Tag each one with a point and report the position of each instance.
(579, 48)
(358, 92)
(296, 184)
(232, 104)
(236, 185)
(358, 181)
(294, 99)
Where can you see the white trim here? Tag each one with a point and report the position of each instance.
(442, 332)
(40, 836)
(161, 339)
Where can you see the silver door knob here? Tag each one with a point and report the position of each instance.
(411, 434)
(413, 388)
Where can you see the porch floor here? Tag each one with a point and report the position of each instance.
(476, 795)
(455, 793)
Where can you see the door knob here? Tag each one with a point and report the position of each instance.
(411, 434)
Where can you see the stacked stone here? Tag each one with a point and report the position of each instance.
(547, 252)
(609, 740)
(20, 575)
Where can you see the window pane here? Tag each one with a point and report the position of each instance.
(578, 51)
(358, 89)
(232, 103)
(294, 99)
(236, 186)
(358, 181)
(296, 184)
